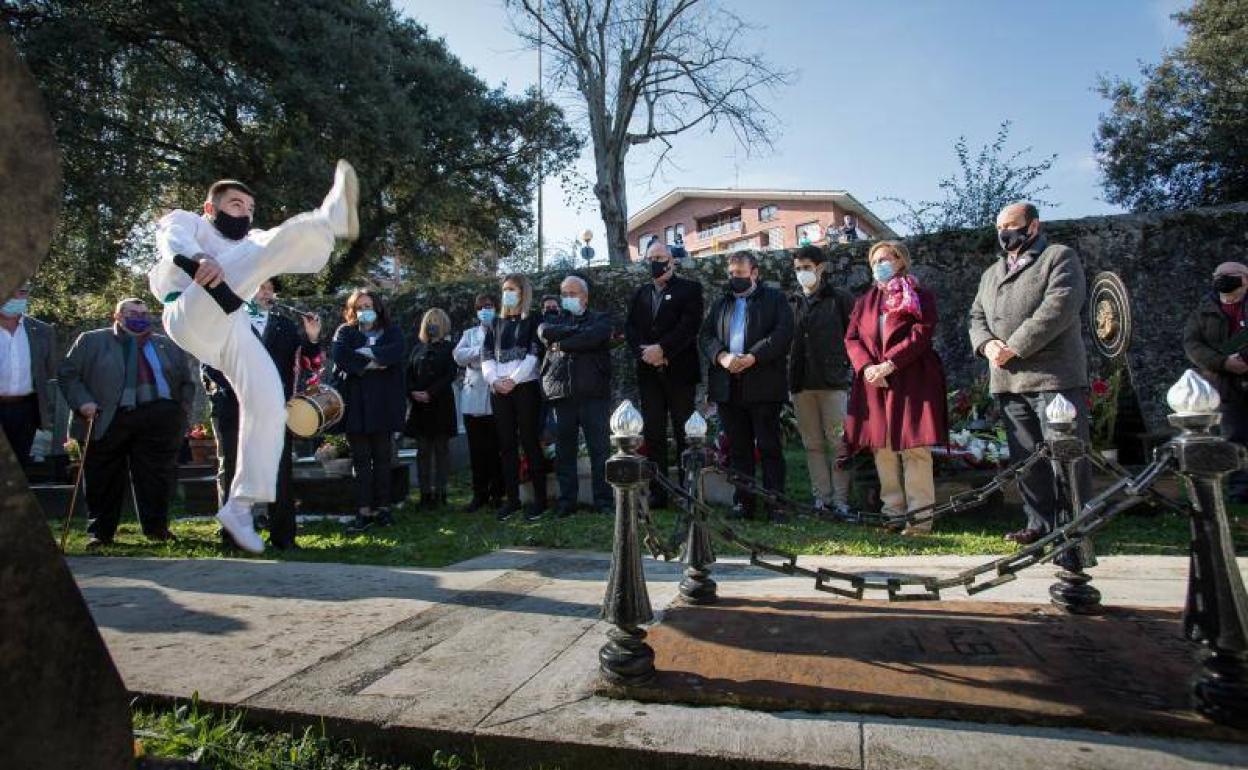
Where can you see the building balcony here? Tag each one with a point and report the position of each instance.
(726, 228)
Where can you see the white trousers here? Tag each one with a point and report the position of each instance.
(301, 244)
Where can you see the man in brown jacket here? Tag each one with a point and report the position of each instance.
(1025, 321)
(1212, 339)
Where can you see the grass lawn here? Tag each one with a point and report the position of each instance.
(219, 739)
(444, 536)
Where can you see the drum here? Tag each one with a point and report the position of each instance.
(313, 411)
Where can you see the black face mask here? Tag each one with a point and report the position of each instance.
(1013, 239)
(739, 285)
(657, 269)
(234, 228)
(1225, 284)
(550, 312)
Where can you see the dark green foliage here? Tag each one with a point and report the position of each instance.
(1176, 140)
(155, 100)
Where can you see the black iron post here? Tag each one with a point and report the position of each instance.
(1217, 608)
(697, 587)
(1072, 591)
(626, 658)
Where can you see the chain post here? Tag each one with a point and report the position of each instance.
(697, 587)
(626, 658)
(1072, 591)
(1217, 606)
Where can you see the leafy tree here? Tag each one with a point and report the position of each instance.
(154, 100)
(645, 71)
(983, 185)
(1178, 139)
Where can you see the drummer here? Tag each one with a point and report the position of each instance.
(287, 343)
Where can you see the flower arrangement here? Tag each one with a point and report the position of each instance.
(1103, 406)
(972, 407)
(73, 449)
(333, 447)
(200, 430)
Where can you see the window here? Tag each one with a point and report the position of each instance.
(680, 232)
(720, 224)
(809, 233)
(669, 235)
(643, 243)
(768, 212)
(775, 238)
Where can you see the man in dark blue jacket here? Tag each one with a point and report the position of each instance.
(285, 343)
(745, 339)
(576, 380)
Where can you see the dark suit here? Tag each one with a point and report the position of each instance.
(668, 391)
(23, 414)
(138, 445)
(376, 407)
(285, 341)
(750, 402)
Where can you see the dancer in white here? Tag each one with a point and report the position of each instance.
(207, 262)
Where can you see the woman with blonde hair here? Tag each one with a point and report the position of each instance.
(897, 406)
(431, 419)
(509, 362)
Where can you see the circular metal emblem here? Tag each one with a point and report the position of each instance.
(1109, 315)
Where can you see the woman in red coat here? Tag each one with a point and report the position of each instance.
(897, 406)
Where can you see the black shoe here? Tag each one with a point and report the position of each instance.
(384, 517)
(741, 511)
(280, 546)
(474, 505)
(534, 513)
(657, 501)
(96, 543)
(564, 510)
(161, 536)
(1025, 536)
(778, 516)
(427, 501)
(261, 521)
(507, 511)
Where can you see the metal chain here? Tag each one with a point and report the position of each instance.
(962, 501)
(1094, 515)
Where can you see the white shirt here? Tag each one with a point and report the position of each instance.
(15, 377)
(181, 232)
(475, 396)
(260, 322)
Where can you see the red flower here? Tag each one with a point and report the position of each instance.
(1100, 388)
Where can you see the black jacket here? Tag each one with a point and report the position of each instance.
(431, 368)
(376, 401)
(578, 356)
(1205, 335)
(818, 360)
(674, 328)
(768, 332)
(285, 341)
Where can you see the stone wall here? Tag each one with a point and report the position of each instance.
(1166, 260)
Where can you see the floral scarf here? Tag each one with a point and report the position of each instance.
(901, 297)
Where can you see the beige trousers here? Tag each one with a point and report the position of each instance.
(906, 481)
(820, 421)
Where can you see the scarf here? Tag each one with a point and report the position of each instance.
(901, 297)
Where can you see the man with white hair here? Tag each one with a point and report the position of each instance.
(207, 264)
(1025, 321)
(576, 380)
(1215, 339)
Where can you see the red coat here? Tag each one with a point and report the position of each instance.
(912, 410)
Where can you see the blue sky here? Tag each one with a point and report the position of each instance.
(883, 89)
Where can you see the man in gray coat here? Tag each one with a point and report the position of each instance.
(135, 389)
(1025, 321)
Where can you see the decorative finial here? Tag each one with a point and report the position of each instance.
(626, 420)
(1193, 394)
(695, 426)
(1060, 411)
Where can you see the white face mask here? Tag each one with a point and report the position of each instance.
(807, 278)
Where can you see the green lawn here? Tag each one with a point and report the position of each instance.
(221, 740)
(445, 536)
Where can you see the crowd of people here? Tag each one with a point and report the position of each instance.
(861, 374)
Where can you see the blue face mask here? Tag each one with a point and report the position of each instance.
(15, 307)
(882, 271)
(571, 304)
(510, 298)
(367, 317)
(486, 315)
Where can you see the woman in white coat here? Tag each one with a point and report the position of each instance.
(487, 471)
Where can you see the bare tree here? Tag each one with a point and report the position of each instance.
(645, 71)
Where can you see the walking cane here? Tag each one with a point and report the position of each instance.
(82, 465)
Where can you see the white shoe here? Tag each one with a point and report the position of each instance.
(235, 517)
(340, 206)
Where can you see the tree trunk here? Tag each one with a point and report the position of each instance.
(613, 204)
